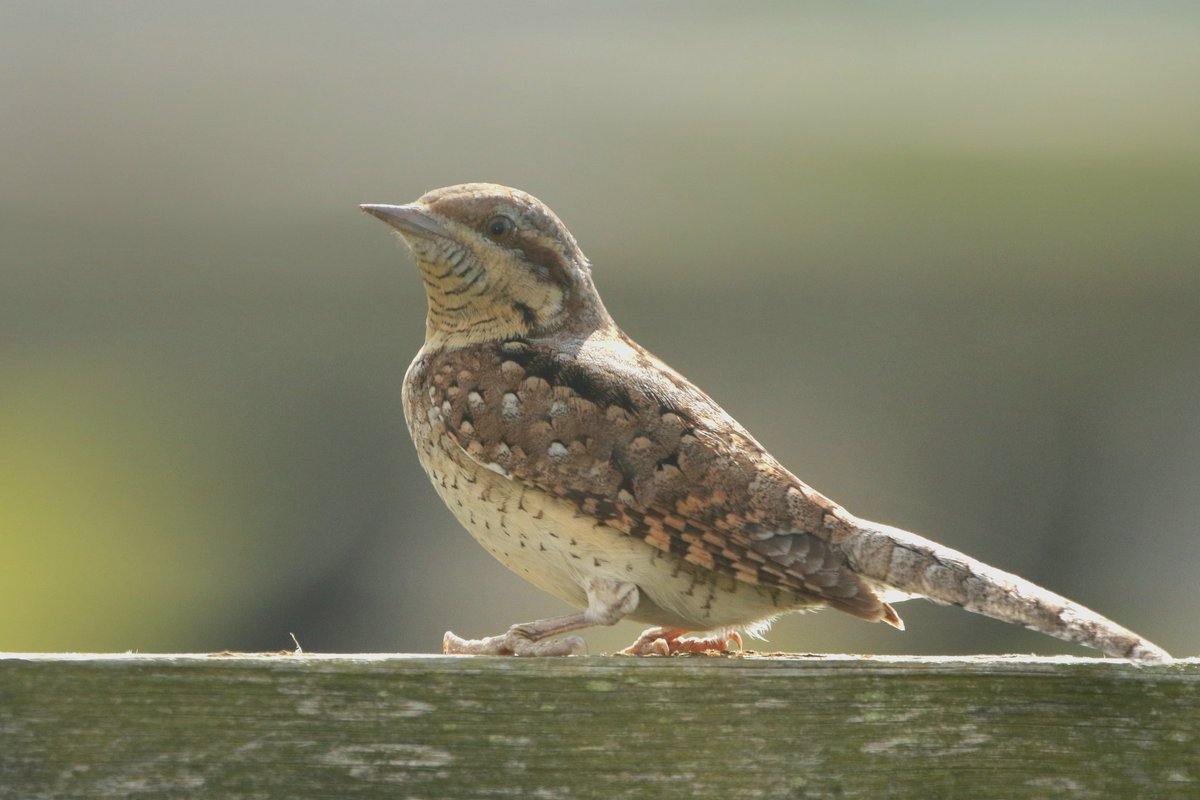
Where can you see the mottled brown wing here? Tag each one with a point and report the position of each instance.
(631, 442)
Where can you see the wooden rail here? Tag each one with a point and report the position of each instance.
(411, 726)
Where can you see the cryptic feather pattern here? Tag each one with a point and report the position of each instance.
(653, 458)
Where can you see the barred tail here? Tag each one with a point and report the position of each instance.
(906, 562)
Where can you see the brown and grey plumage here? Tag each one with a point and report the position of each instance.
(600, 474)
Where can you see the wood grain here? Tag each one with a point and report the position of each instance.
(267, 726)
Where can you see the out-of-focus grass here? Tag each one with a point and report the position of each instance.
(122, 520)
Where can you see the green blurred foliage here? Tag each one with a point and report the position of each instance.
(944, 260)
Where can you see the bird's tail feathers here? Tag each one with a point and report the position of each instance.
(898, 560)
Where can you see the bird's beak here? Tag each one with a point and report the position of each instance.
(411, 219)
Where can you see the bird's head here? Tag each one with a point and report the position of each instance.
(496, 263)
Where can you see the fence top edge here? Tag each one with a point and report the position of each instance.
(429, 659)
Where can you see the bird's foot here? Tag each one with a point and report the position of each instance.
(515, 642)
(667, 641)
(608, 602)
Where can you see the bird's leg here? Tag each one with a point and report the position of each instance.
(667, 641)
(608, 602)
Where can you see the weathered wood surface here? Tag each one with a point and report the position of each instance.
(453, 727)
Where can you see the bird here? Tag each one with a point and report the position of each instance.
(592, 469)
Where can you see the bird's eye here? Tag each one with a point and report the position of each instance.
(500, 227)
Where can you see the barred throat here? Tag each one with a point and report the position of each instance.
(470, 304)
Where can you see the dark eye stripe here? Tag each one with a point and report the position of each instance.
(546, 261)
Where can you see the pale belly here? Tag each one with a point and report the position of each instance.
(549, 543)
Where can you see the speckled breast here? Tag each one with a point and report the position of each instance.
(550, 543)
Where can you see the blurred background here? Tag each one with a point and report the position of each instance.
(942, 259)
